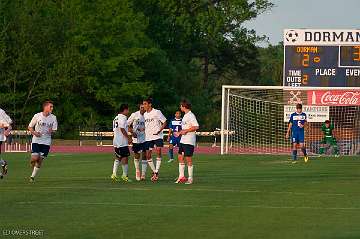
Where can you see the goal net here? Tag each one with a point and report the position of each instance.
(255, 118)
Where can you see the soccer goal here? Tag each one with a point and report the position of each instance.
(254, 119)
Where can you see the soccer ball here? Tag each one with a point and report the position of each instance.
(291, 36)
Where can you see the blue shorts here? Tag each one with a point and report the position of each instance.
(175, 141)
(298, 137)
(40, 149)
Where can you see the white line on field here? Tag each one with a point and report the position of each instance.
(186, 205)
(175, 189)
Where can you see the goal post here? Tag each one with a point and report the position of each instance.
(254, 119)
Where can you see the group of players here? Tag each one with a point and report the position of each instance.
(145, 128)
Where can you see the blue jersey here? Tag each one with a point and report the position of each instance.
(297, 119)
(175, 125)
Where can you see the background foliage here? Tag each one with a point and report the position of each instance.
(91, 56)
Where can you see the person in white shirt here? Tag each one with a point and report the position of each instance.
(136, 124)
(42, 126)
(121, 143)
(155, 122)
(5, 129)
(189, 125)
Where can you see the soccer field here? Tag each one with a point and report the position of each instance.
(233, 197)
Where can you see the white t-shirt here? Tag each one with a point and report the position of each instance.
(188, 121)
(153, 122)
(4, 119)
(42, 125)
(137, 121)
(120, 122)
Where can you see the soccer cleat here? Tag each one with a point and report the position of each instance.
(125, 179)
(31, 180)
(138, 177)
(155, 177)
(1, 176)
(189, 181)
(170, 160)
(142, 177)
(181, 180)
(306, 158)
(114, 178)
(4, 168)
(294, 162)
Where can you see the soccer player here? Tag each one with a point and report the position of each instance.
(155, 123)
(42, 126)
(329, 138)
(121, 143)
(189, 125)
(136, 124)
(296, 126)
(174, 126)
(5, 128)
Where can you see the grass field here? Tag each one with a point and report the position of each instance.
(233, 197)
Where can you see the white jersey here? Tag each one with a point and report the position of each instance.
(43, 124)
(153, 122)
(188, 121)
(5, 120)
(137, 121)
(120, 140)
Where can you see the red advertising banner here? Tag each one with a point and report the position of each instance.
(333, 97)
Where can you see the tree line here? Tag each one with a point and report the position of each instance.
(91, 56)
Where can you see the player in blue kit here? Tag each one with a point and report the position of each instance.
(296, 126)
(174, 126)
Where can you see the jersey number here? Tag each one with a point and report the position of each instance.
(115, 124)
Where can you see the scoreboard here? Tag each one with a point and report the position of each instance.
(318, 57)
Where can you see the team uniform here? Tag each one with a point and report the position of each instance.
(297, 133)
(188, 141)
(42, 124)
(186, 148)
(175, 126)
(153, 122)
(121, 146)
(329, 139)
(120, 142)
(137, 120)
(6, 120)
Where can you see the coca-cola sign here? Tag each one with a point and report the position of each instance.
(334, 97)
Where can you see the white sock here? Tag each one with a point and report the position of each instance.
(158, 164)
(35, 171)
(181, 170)
(190, 171)
(143, 167)
(151, 164)
(116, 166)
(125, 168)
(137, 164)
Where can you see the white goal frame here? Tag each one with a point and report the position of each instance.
(225, 105)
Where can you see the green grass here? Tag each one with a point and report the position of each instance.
(233, 197)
